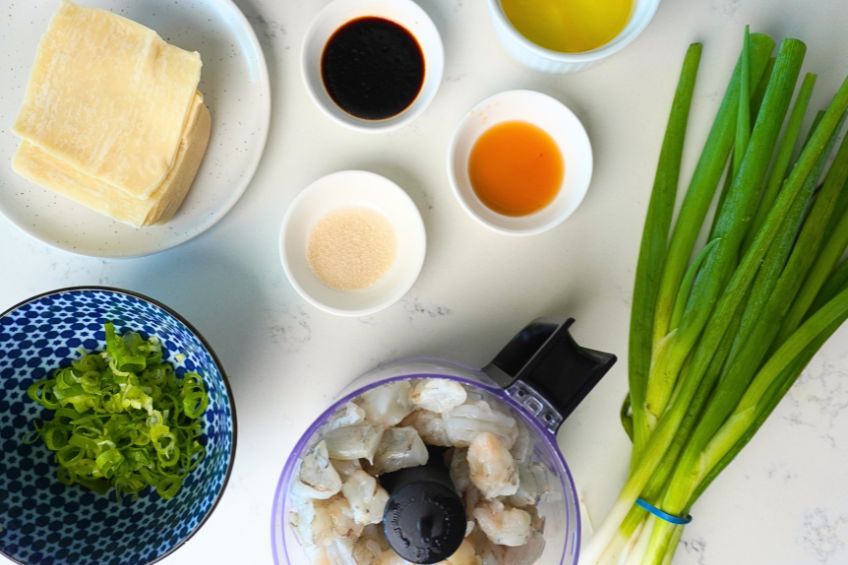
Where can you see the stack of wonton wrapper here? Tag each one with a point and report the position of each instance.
(112, 117)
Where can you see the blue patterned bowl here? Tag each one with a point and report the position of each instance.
(42, 521)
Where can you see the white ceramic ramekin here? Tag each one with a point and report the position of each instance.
(405, 13)
(546, 60)
(546, 113)
(353, 189)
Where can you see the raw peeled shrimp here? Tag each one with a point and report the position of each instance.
(437, 395)
(300, 516)
(522, 449)
(319, 522)
(465, 422)
(337, 506)
(353, 442)
(526, 554)
(491, 554)
(345, 468)
(470, 499)
(464, 555)
(459, 471)
(503, 524)
(400, 448)
(373, 534)
(348, 414)
(429, 426)
(484, 548)
(367, 499)
(533, 483)
(388, 404)
(335, 552)
(341, 517)
(316, 477)
(366, 551)
(491, 467)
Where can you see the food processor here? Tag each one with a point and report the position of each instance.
(539, 377)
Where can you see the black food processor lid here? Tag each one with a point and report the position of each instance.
(424, 520)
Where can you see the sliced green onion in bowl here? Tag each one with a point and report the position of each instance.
(122, 419)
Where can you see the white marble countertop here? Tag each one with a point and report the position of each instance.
(785, 500)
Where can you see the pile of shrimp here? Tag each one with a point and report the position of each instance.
(336, 503)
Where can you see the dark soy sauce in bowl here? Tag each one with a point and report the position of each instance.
(372, 68)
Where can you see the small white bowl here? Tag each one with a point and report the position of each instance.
(546, 60)
(353, 189)
(405, 13)
(546, 113)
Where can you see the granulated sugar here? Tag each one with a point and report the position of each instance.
(351, 249)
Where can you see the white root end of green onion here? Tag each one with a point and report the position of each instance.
(636, 550)
(595, 550)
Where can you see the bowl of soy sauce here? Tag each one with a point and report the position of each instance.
(373, 65)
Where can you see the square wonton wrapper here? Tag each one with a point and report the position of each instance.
(109, 97)
(45, 170)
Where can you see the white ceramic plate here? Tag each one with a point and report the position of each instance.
(235, 86)
(353, 189)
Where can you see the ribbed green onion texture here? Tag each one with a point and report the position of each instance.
(720, 329)
(121, 419)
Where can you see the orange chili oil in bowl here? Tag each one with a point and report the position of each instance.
(516, 168)
(520, 162)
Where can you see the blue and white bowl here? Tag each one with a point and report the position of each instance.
(43, 521)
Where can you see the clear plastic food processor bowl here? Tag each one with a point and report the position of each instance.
(540, 376)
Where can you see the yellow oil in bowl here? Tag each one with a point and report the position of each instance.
(569, 26)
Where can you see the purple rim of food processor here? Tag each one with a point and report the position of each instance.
(278, 512)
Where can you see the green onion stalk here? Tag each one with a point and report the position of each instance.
(720, 330)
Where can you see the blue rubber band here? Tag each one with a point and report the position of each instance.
(670, 518)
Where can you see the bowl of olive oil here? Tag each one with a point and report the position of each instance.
(564, 36)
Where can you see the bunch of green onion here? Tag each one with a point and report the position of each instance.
(122, 418)
(719, 334)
